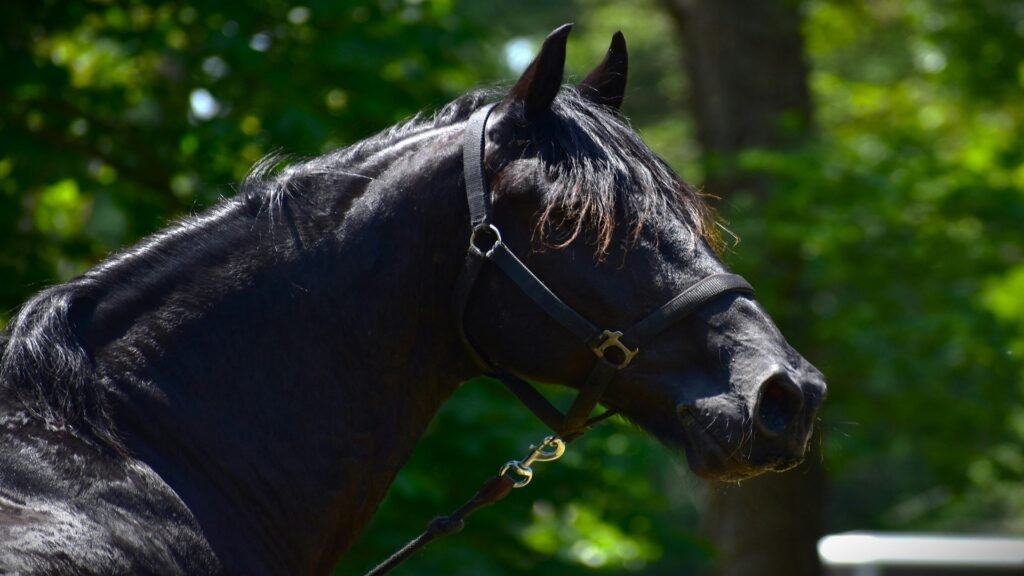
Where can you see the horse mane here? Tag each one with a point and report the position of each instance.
(44, 363)
(275, 178)
(598, 173)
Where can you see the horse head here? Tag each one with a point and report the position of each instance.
(615, 233)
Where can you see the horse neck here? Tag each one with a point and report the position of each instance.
(287, 381)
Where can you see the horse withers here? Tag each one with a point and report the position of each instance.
(235, 393)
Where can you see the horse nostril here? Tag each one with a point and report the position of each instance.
(816, 391)
(779, 404)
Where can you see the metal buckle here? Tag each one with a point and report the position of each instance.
(475, 235)
(610, 339)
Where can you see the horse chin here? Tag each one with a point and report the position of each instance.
(707, 455)
(709, 459)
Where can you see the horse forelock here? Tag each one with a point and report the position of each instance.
(601, 177)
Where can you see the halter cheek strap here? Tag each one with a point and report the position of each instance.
(614, 349)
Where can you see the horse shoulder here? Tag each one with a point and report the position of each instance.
(68, 508)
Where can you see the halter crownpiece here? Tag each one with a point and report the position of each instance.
(614, 349)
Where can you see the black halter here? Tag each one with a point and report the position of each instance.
(614, 349)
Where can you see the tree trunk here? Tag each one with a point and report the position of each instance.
(748, 82)
(768, 526)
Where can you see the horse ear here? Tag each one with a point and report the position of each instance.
(539, 84)
(606, 84)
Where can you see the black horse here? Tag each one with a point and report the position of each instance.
(235, 394)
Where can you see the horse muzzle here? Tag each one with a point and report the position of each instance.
(731, 438)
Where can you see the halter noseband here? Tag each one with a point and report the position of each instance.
(614, 349)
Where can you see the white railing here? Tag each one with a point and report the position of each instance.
(870, 553)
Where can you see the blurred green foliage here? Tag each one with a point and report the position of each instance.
(908, 214)
(906, 210)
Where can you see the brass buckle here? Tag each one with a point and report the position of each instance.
(610, 339)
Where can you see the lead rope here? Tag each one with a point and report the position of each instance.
(493, 490)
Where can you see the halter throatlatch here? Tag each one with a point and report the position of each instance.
(614, 349)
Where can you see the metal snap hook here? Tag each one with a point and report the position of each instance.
(550, 449)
